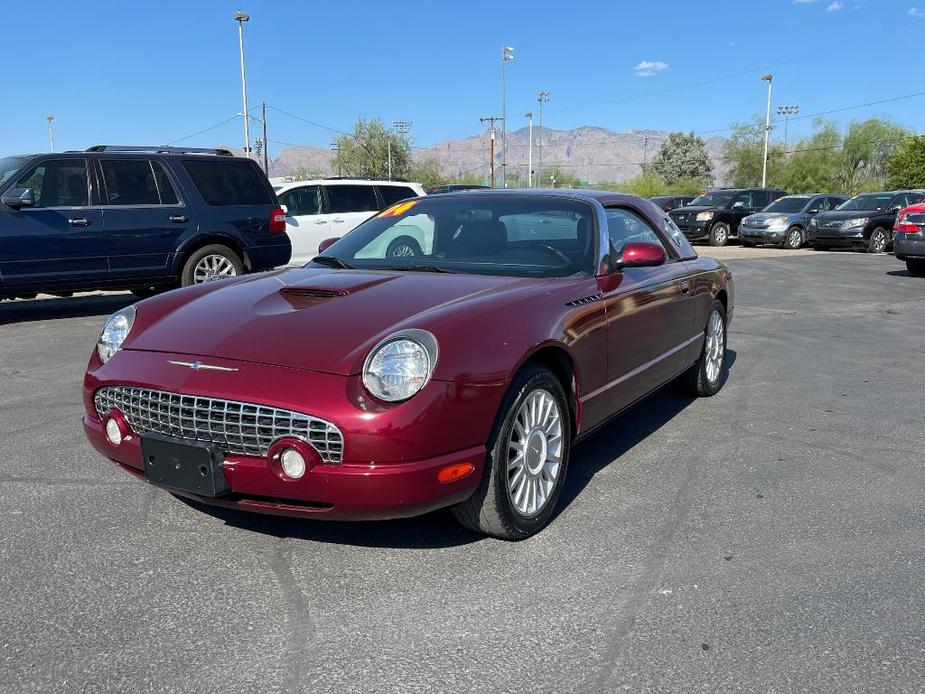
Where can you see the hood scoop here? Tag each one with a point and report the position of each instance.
(313, 292)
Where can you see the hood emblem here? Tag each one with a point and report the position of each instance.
(199, 366)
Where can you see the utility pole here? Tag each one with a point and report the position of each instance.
(241, 17)
(645, 150)
(401, 127)
(769, 78)
(491, 157)
(336, 149)
(529, 115)
(266, 143)
(542, 98)
(507, 55)
(786, 112)
(51, 133)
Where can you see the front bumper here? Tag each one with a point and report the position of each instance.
(909, 246)
(391, 455)
(836, 238)
(694, 231)
(762, 234)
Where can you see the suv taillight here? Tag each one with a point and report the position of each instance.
(277, 221)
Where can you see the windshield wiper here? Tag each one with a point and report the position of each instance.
(416, 268)
(331, 261)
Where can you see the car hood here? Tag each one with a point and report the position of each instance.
(693, 209)
(845, 214)
(759, 217)
(316, 319)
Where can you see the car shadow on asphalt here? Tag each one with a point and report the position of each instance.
(439, 529)
(70, 307)
(900, 273)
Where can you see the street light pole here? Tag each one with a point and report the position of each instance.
(529, 115)
(769, 78)
(507, 54)
(51, 133)
(401, 127)
(786, 112)
(241, 17)
(542, 98)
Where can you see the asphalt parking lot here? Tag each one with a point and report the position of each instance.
(771, 538)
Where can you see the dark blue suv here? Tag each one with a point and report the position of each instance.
(138, 218)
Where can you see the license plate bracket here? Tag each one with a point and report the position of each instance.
(184, 466)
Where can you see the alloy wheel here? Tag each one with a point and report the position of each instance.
(535, 448)
(878, 242)
(213, 267)
(794, 238)
(715, 346)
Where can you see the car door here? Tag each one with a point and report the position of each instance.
(740, 207)
(144, 219)
(306, 223)
(349, 204)
(649, 313)
(59, 240)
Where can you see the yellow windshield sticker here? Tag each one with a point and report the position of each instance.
(399, 209)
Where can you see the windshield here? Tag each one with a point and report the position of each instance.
(788, 204)
(717, 199)
(481, 234)
(9, 166)
(873, 201)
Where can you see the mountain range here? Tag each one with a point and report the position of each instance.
(591, 153)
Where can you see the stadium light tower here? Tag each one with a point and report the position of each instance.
(786, 112)
(507, 55)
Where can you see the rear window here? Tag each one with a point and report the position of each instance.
(223, 183)
(392, 194)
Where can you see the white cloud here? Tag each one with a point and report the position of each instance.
(649, 68)
(916, 12)
(835, 7)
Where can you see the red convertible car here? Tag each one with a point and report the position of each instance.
(447, 352)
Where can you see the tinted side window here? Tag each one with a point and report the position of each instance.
(625, 227)
(164, 185)
(350, 198)
(302, 201)
(761, 198)
(129, 182)
(58, 183)
(392, 194)
(913, 198)
(741, 200)
(224, 183)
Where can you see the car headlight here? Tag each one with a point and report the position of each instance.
(114, 332)
(399, 366)
(813, 223)
(777, 222)
(704, 216)
(857, 222)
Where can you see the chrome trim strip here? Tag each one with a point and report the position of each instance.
(199, 366)
(639, 369)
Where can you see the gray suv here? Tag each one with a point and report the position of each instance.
(784, 222)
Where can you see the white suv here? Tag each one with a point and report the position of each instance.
(331, 207)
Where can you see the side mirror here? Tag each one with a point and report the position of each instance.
(815, 210)
(895, 209)
(18, 197)
(327, 243)
(737, 205)
(640, 254)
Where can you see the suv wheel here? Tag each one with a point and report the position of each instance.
(794, 238)
(213, 262)
(402, 247)
(916, 266)
(719, 234)
(879, 240)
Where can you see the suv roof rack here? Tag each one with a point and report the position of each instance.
(161, 149)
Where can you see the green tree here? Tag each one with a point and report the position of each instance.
(744, 151)
(306, 174)
(427, 172)
(683, 156)
(906, 168)
(867, 148)
(814, 162)
(365, 152)
(645, 184)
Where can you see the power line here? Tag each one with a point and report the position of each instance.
(204, 130)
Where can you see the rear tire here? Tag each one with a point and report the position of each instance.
(212, 262)
(497, 506)
(719, 234)
(879, 240)
(916, 266)
(708, 374)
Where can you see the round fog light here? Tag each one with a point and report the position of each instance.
(113, 431)
(293, 463)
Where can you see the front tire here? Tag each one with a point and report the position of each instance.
(708, 374)
(212, 262)
(719, 234)
(526, 460)
(794, 238)
(879, 240)
(916, 266)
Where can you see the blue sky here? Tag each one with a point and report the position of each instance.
(154, 72)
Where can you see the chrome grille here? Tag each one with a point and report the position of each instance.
(235, 427)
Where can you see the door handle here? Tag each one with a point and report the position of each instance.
(321, 221)
(79, 222)
(178, 219)
(685, 286)
(338, 221)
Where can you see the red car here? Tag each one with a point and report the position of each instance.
(909, 238)
(373, 386)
